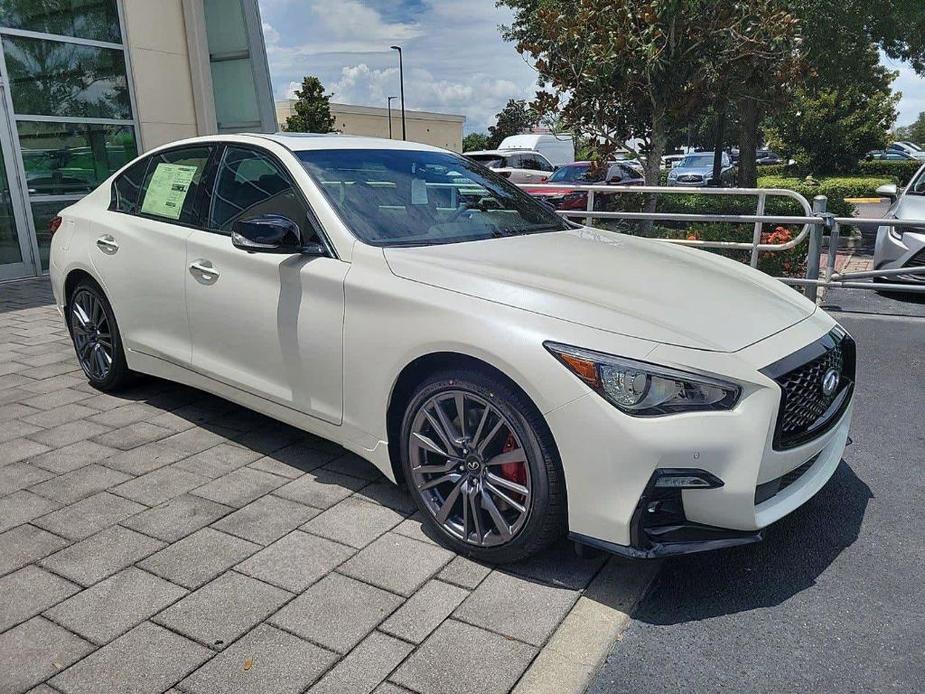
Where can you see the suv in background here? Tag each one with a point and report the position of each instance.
(520, 166)
(696, 171)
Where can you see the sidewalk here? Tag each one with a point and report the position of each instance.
(165, 539)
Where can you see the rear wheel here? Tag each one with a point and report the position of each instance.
(96, 337)
(482, 467)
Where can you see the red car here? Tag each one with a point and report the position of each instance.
(580, 174)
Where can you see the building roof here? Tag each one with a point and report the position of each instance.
(337, 108)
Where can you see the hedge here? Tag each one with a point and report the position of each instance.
(899, 172)
(835, 189)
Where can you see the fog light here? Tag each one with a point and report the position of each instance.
(687, 479)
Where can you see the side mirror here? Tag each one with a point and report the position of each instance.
(269, 233)
(888, 191)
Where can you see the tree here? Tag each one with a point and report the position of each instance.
(513, 119)
(828, 129)
(622, 68)
(913, 133)
(312, 109)
(475, 141)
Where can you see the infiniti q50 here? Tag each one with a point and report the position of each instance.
(524, 376)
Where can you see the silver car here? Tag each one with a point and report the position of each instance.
(904, 247)
(696, 171)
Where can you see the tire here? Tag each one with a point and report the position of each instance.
(96, 338)
(468, 459)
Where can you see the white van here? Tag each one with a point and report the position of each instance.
(558, 149)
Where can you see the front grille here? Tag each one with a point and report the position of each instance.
(765, 491)
(806, 410)
(690, 178)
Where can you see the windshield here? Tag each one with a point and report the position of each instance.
(697, 161)
(408, 198)
(574, 174)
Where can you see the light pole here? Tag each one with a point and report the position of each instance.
(401, 79)
(390, 114)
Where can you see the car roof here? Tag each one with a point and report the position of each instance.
(501, 152)
(299, 142)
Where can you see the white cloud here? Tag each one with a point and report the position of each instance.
(455, 59)
(912, 87)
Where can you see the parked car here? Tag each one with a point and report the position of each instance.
(898, 248)
(912, 149)
(765, 157)
(556, 149)
(888, 155)
(696, 171)
(584, 173)
(520, 166)
(524, 376)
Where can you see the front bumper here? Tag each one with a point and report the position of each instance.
(891, 253)
(610, 459)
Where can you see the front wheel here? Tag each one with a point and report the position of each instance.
(96, 338)
(481, 465)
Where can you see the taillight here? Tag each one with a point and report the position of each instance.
(54, 225)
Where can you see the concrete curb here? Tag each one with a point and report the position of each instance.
(574, 653)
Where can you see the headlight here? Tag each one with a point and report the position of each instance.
(645, 390)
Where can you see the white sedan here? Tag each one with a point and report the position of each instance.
(524, 376)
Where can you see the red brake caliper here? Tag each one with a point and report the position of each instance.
(513, 472)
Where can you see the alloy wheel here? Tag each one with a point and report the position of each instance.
(92, 334)
(470, 467)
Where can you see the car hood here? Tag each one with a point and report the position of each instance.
(910, 207)
(621, 284)
(696, 170)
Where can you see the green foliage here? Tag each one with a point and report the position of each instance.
(835, 189)
(829, 130)
(513, 119)
(913, 133)
(312, 109)
(475, 141)
(899, 172)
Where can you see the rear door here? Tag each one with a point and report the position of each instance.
(270, 324)
(138, 248)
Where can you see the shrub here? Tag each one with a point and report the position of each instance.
(835, 189)
(899, 172)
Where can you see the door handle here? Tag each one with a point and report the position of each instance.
(204, 269)
(107, 244)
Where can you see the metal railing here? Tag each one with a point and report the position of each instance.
(817, 225)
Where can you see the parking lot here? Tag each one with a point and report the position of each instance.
(165, 540)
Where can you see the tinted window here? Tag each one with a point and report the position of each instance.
(492, 161)
(126, 187)
(53, 78)
(575, 173)
(73, 158)
(172, 184)
(535, 163)
(403, 197)
(89, 19)
(251, 184)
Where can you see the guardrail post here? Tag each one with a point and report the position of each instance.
(834, 242)
(814, 252)
(756, 236)
(589, 221)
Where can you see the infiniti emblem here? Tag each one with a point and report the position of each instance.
(830, 382)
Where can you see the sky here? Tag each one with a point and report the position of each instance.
(455, 58)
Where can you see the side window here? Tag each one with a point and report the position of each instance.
(513, 161)
(250, 184)
(544, 164)
(172, 185)
(127, 186)
(532, 162)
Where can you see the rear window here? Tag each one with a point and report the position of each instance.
(492, 161)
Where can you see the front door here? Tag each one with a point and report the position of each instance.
(15, 241)
(270, 324)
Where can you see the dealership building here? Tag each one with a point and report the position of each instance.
(86, 85)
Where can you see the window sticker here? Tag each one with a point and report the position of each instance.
(167, 190)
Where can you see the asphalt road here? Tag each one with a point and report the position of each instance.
(834, 599)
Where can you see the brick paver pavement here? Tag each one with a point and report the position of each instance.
(164, 539)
